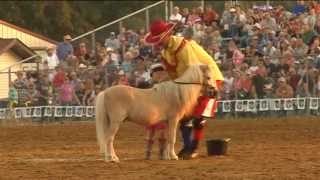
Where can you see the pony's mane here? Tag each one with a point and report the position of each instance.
(183, 95)
(192, 75)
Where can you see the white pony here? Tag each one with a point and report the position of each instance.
(168, 101)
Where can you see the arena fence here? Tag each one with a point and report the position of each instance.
(277, 105)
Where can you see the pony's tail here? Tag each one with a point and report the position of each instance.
(101, 121)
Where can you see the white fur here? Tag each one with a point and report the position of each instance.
(167, 101)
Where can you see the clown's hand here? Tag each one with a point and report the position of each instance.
(211, 92)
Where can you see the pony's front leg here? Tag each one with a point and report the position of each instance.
(172, 132)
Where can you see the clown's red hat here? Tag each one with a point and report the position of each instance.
(158, 30)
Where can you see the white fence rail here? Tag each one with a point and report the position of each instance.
(226, 106)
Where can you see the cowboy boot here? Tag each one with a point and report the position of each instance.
(162, 148)
(194, 148)
(198, 125)
(149, 149)
(186, 131)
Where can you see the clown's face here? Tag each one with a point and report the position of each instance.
(163, 44)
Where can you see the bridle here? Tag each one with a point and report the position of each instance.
(207, 89)
(190, 83)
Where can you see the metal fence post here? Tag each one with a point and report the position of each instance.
(9, 76)
(93, 41)
(120, 26)
(166, 10)
(202, 4)
(147, 19)
(171, 7)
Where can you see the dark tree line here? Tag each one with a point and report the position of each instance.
(55, 18)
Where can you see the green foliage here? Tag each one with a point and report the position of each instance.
(55, 18)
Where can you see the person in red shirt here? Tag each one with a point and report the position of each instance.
(59, 77)
(210, 15)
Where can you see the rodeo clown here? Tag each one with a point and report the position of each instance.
(178, 54)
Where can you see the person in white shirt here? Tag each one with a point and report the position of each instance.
(51, 59)
(175, 16)
(228, 85)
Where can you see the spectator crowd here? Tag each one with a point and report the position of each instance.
(263, 52)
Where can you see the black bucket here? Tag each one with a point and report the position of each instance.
(217, 147)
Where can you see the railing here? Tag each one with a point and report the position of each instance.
(265, 107)
(93, 32)
(9, 68)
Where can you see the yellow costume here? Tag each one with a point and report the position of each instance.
(182, 53)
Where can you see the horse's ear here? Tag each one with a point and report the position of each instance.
(204, 67)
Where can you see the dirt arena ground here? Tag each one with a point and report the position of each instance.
(259, 149)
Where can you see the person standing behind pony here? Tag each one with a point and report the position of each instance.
(178, 54)
(158, 74)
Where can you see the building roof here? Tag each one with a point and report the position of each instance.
(28, 32)
(16, 46)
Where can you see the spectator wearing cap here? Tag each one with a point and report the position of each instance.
(51, 58)
(65, 48)
(157, 73)
(112, 42)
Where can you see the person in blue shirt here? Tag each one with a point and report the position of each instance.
(299, 8)
(65, 48)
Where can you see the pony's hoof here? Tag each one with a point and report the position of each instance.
(115, 161)
(175, 157)
(112, 159)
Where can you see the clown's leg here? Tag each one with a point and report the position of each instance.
(186, 131)
(198, 125)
